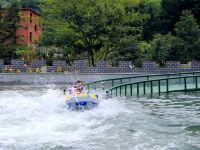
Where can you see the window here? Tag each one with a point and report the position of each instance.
(35, 27)
(31, 37)
(31, 16)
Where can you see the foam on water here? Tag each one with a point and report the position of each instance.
(38, 120)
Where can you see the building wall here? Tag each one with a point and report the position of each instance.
(27, 26)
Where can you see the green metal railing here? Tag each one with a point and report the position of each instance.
(157, 86)
(108, 83)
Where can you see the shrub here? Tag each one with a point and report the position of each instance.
(18, 70)
(59, 69)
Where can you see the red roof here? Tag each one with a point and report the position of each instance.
(32, 11)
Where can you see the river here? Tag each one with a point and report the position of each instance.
(35, 118)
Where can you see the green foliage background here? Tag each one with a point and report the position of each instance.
(135, 30)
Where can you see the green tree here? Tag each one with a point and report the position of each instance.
(34, 4)
(62, 39)
(172, 10)
(188, 30)
(1, 29)
(151, 9)
(4, 3)
(119, 30)
(94, 29)
(88, 24)
(146, 52)
(1, 23)
(124, 32)
(111, 38)
(83, 23)
(196, 50)
(9, 27)
(168, 47)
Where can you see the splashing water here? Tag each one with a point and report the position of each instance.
(37, 119)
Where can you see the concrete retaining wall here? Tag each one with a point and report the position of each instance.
(52, 78)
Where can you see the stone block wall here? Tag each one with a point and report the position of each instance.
(172, 64)
(18, 64)
(38, 63)
(124, 64)
(102, 64)
(195, 64)
(80, 66)
(1, 62)
(149, 64)
(58, 63)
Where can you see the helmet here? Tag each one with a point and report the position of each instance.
(79, 81)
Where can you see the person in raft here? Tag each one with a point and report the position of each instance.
(77, 88)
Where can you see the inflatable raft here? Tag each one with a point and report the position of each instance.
(81, 101)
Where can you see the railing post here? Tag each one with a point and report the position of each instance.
(167, 84)
(131, 90)
(125, 89)
(196, 83)
(185, 86)
(120, 90)
(151, 87)
(138, 89)
(144, 88)
(116, 92)
(112, 83)
(159, 87)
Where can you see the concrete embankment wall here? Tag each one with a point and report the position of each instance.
(52, 78)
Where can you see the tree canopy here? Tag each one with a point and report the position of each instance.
(135, 30)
